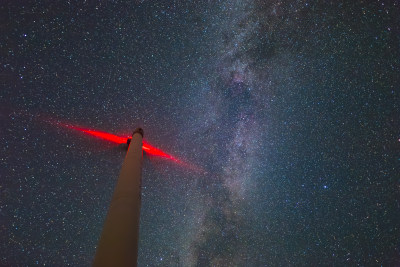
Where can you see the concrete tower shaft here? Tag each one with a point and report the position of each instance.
(118, 245)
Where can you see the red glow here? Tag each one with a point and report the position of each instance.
(149, 149)
(103, 135)
(156, 152)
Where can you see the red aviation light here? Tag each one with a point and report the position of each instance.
(102, 135)
(149, 149)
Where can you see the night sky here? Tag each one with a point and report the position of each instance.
(290, 108)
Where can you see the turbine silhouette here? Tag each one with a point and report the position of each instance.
(118, 244)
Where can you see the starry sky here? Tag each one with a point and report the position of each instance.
(290, 108)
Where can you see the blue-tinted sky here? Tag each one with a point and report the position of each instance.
(292, 108)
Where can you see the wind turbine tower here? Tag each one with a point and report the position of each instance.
(118, 245)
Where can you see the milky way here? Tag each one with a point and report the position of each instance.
(286, 114)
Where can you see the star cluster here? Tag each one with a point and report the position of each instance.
(290, 108)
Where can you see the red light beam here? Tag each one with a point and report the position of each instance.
(102, 135)
(149, 149)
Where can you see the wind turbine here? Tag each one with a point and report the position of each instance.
(118, 244)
